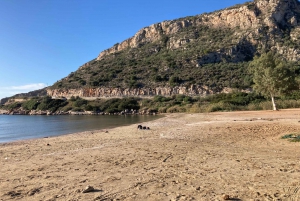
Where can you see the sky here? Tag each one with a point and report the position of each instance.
(42, 41)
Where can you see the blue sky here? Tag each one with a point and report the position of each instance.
(42, 41)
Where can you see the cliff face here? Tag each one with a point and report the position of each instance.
(138, 92)
(199, 55)
(250, 18)
(119, 92)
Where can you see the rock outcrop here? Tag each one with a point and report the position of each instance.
(105, 92)
(250, 18)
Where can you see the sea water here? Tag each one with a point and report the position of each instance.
(20, 127)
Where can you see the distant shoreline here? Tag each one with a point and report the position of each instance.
(3, 111)
(40, 112)
(18, 127)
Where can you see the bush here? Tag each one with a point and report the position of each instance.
(284, 104)
(292, 137)
(254, 106)
(128, 103)
(14, 105)
(80, 102)
(88, 108)
(73, 98)
(66, 109)
(266, 105)
(50, 104)
(176, 109)
(175, 80)
(117, 105)
(162, 110)
(221, 107)
(161, 99)
(214, 108)
(77, 109)
(31, 104)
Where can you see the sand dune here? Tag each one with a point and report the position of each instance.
(182, 157)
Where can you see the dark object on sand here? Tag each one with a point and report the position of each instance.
(143, 127)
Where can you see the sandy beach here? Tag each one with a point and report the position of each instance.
(182, 157)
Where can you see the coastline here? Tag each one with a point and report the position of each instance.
(41, 112)
(183, 157)
(39, 126)
(2, 112)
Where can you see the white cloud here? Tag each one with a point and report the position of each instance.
(12, 90)
(30, 87)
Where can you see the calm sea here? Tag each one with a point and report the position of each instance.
(20, 127)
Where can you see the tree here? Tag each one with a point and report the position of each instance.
(272, 76)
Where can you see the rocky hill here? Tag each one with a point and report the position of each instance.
(196, 55)
(35, 93)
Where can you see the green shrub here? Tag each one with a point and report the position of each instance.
(266, 105)
(254, 106)
(292, 137)
(162, 110)
(80, 102)
(73, 98)
(214, 108)
(117, 105)
(31, 104)
(161, 99)
(47, 103)
(66, 109)
(176, 109)
(77, 109)
(284, 104)
(288, 136)
(14, 105)
(89, 108)
(296, 139)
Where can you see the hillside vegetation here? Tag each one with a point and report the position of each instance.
(158, 104)
(197, 50)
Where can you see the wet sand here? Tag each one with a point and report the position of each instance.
(181, 157)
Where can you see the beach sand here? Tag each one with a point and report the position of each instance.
(182, 157)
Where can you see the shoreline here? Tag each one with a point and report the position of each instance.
(103, 126)
(46, 113)
(183, 157)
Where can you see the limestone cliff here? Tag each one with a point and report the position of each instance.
(135, 92)
(119, 92)
(250, 18)
(182, 56)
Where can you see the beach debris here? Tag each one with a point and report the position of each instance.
(226, 197)
(165, 160)
(13, 193)
(33, 191)
(106, 131)
(48, 144)
(88, 189)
